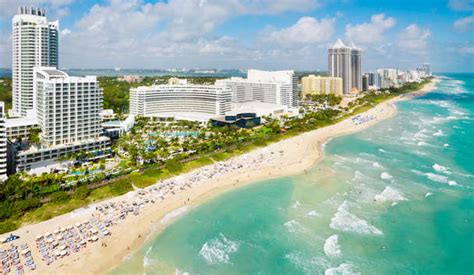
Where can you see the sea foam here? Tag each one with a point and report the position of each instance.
(377, 165)
(442, 169)
(390, 194)
(343, 269)
(439, 133)
(312, 213)
(173, 214)
(386, 176)
(440, 178)
(146, 260)
(332, 247)
(218, 250)
(293, 226)
(348, 222)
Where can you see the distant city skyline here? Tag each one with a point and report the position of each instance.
(264, 34)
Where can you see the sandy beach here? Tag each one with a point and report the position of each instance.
(132, 218)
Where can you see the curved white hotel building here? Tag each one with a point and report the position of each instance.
(277, 87)
(191, 102)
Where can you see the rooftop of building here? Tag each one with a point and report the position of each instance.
(340, 45)
(53, 73)
(178, 87)
(23, 121)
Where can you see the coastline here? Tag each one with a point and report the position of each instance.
(299, 153)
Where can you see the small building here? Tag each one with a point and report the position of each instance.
(241, 120)
(115, 129)
(107, 114)
(177, 81)
(130, 78)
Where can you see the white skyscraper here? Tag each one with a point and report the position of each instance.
(346, 62)
(427, 69)
(34, 43)
(3, 144)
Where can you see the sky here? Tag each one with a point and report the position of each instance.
(262, 34)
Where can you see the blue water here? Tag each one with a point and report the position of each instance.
(394, 199)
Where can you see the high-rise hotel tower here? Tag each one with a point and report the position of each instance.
(35, 43)
(346, 62)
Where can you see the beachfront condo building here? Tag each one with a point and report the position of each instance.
(34, 43)
(387, 78)
(427, 69)
(68, 107)
(68, 114)
(346, 62)
(312, 84)
(181, 101)
(275, 87)
(3, 144)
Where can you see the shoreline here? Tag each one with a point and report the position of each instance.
(295, 154)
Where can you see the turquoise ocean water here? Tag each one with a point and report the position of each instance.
(397, 198)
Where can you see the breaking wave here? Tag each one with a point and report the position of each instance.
(386, 176)
(218, 250)
(332, 247)
(293, 226)
(442, 169)
(345, 221)
(377, 165)
(343, 269)
(440, 178)
(390, 194)
(439, 133)
(312, 213)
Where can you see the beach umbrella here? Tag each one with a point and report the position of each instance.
(62, 247)
(56, 231)
(39, 237)
(25, 251)
(78, 224)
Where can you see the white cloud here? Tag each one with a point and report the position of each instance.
(55, 8)
(138, 34)
(464, 50)
(414, 39)
(371, 32)
(461, 5)
(308, 30)
(464, 24)
(65, 32)
(275, 6)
